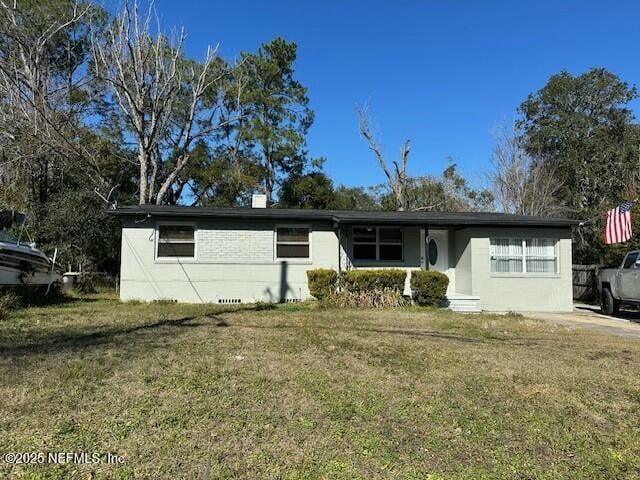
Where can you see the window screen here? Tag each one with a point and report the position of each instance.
(176, 241)
(292, 242)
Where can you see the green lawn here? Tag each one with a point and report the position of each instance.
(188, 391)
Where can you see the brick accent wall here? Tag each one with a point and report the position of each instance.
(226, 244)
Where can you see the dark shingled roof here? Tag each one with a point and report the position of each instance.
(458, 219)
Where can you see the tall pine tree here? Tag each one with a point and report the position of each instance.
(277, 108)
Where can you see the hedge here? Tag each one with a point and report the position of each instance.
(356, 281)
(322, 282)
(428, 287)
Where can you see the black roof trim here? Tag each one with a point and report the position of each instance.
(457, 219)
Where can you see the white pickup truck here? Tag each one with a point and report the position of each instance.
(620, 285)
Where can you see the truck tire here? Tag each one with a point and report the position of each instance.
(608, 304)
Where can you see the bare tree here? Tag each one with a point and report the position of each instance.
(522, 184)
(169, 102)
(44, 93)
(397, 173)
(448, 192)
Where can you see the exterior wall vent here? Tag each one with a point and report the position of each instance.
(290, 300)
(229, 300)
(258, 200)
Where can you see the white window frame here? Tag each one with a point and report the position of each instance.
(292, 259)
(377, 244)
(523, 240)
(157, 242)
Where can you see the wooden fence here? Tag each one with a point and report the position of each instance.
(585, 279)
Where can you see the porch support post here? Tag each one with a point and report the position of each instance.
(423, 248)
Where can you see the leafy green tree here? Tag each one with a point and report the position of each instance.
(277, 111)
(355, 198)
(313, 190)
(222, 178)
(78, 225)
(582, 128)
(226, 168)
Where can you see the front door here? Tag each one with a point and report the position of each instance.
(438, 253)
(438, 250)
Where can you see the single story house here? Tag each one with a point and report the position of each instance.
(495, 262)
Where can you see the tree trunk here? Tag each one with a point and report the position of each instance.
(143, 159)
(168, 183)
(268, 177)
(401, 202)
(268, 190)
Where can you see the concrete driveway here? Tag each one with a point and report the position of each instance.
(626, 324)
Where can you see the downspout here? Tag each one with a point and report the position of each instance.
(426, 245)
(424, 253)
(339, 234)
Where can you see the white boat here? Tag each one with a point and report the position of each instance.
(23, 264)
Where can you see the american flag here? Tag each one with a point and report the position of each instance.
(617, 227)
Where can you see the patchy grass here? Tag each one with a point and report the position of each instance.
(201, 391)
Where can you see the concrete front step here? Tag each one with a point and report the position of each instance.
(458, 302)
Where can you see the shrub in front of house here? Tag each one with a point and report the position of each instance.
(322, 282)
(390, 280)
(9, 301)
(375, 298)
(429, 288)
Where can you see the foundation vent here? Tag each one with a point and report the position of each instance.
(290, 300)
(229, 300)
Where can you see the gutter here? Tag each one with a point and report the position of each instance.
(347, 219)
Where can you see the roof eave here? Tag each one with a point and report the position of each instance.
(330, 216)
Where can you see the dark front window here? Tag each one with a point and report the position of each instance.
(292, 242)
(176, 241)
(377, 243)
(364, 243)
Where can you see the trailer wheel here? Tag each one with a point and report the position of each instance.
(608, 304)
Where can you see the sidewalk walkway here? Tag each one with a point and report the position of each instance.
(627, 324)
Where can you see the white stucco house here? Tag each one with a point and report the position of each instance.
(495, 262)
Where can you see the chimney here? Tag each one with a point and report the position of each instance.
(258, 200)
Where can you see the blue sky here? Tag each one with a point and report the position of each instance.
(441, 73)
